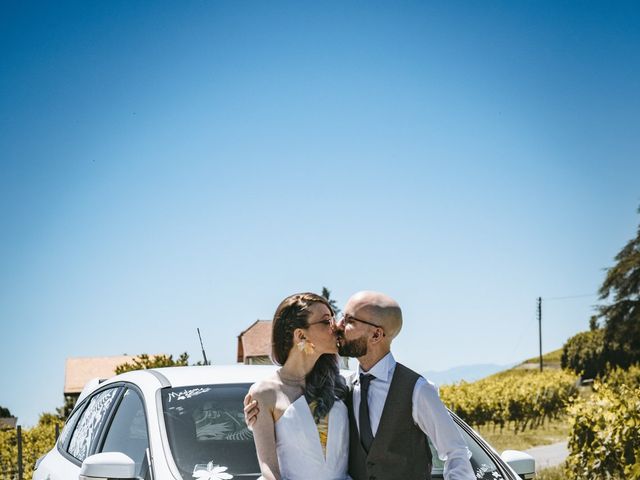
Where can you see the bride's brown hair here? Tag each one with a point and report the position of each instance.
(323, 383)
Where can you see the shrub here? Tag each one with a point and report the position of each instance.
(584, 353)
(618, 376)
(522, 398)
(36, 442)
(604, 441)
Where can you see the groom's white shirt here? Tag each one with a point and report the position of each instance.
(428, 412)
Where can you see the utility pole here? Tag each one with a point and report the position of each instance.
(540, 328)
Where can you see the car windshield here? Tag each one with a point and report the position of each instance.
(206, 431)
(207, 435)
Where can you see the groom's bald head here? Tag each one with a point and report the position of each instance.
(380, 309)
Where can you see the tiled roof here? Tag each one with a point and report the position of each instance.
(255, 340)
(8, 422)
(78, 371)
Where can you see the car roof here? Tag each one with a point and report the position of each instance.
(216, 374)
(190, 376)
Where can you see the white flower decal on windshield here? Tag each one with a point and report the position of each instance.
(484, 469)
(210, 472)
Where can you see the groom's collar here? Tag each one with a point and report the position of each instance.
(381, 370)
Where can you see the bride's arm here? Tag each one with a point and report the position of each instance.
(264, 433)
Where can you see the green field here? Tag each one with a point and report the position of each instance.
(551, 432)
(553, 473)
(551, 359)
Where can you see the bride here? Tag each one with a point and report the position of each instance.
(302, 429)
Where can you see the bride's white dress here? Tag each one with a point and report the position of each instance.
(300, 454)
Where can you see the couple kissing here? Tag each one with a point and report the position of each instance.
(311, 423)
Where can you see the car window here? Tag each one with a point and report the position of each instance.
(206, 430)
(68, 427)
(128, 431)
(91, 420)
(482, 464)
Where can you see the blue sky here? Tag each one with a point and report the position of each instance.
(173, 165)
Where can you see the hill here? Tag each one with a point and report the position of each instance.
(468, 373)
(549, 360)
(471, 373)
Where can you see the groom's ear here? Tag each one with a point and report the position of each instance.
(377, 335)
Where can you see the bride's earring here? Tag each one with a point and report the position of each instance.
(306, 347)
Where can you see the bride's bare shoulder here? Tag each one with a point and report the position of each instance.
(267, 389)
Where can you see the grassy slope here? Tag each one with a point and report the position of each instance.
(551, 359)
(552, 432)
(553, 473)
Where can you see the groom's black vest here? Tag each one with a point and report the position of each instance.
(400, 449)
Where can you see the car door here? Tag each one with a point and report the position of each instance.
(484, 463)
(127, 432)
(78, 439)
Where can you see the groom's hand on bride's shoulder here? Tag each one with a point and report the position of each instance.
(250, 410)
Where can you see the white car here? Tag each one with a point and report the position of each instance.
(183, 423)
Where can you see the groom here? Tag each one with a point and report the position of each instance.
(393, 408)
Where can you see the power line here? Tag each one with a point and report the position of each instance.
(525, 330)
(584, 295)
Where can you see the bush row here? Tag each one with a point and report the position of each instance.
(604, 440)
(518, 398)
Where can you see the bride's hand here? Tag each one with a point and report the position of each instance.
(251, 411)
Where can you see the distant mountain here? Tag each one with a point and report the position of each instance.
(468, 373)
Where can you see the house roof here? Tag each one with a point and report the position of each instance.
(255, 340)
(8, 422)
(78, 371)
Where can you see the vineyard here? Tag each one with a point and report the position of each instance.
(605, 429)
(517, 399)
(604, 437)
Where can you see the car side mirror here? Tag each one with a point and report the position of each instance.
(111, 465)
(522, 463)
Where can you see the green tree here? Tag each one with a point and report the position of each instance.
(144, 361)
(621, 315)
(326, 293)
(64, 411)
(584, 353)
(4, 412)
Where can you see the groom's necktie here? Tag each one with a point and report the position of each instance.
(366, 435)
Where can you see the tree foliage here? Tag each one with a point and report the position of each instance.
(4, 412)
(64, 411)
(617, 343)
(145, 361)
(326, 293)
(621, 288)
(584, 353)
(36, 442)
